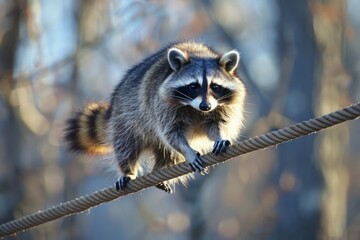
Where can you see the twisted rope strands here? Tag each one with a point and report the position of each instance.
(108, 194)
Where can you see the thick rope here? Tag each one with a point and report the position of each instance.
(108, 194)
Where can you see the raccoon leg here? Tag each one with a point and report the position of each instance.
(125, 176)
(213, 131)
(178, 141)
(163, 159)
(193, 157)
(126, 154)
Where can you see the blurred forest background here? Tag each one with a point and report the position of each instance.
(300, 59)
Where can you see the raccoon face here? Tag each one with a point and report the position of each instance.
(202, 83)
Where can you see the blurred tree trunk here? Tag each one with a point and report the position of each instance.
(10, 126)
(329, 19)
(296, 175)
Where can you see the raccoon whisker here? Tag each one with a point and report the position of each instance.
(180, 98)
(183, 94)
(178, 107)
(225, 96)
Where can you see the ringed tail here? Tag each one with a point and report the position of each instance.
(86, 131)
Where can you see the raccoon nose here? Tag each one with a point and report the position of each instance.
(205, 106)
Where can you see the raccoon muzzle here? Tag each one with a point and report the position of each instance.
(86, 130)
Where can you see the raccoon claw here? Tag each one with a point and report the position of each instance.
(204, 171)
(122, 182)
(220, 146)
(164, 186)
(197, 165)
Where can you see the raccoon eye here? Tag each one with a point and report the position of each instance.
(215, 87)
(194, 86)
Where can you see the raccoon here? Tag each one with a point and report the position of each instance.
(177, 104)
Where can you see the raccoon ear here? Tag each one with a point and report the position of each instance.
(230, 61)
(176, 58)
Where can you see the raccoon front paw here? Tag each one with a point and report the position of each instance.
(165, 187)
(122, 182)
(220, 146)
(197, 164)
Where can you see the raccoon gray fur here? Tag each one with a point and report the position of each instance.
(183, 101)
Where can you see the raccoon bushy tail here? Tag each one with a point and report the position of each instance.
(86, 131)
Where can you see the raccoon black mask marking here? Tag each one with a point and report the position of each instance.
(191, 91)
(175, 105)
(202, 83)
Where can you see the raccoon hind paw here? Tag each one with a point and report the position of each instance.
(165, 187)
